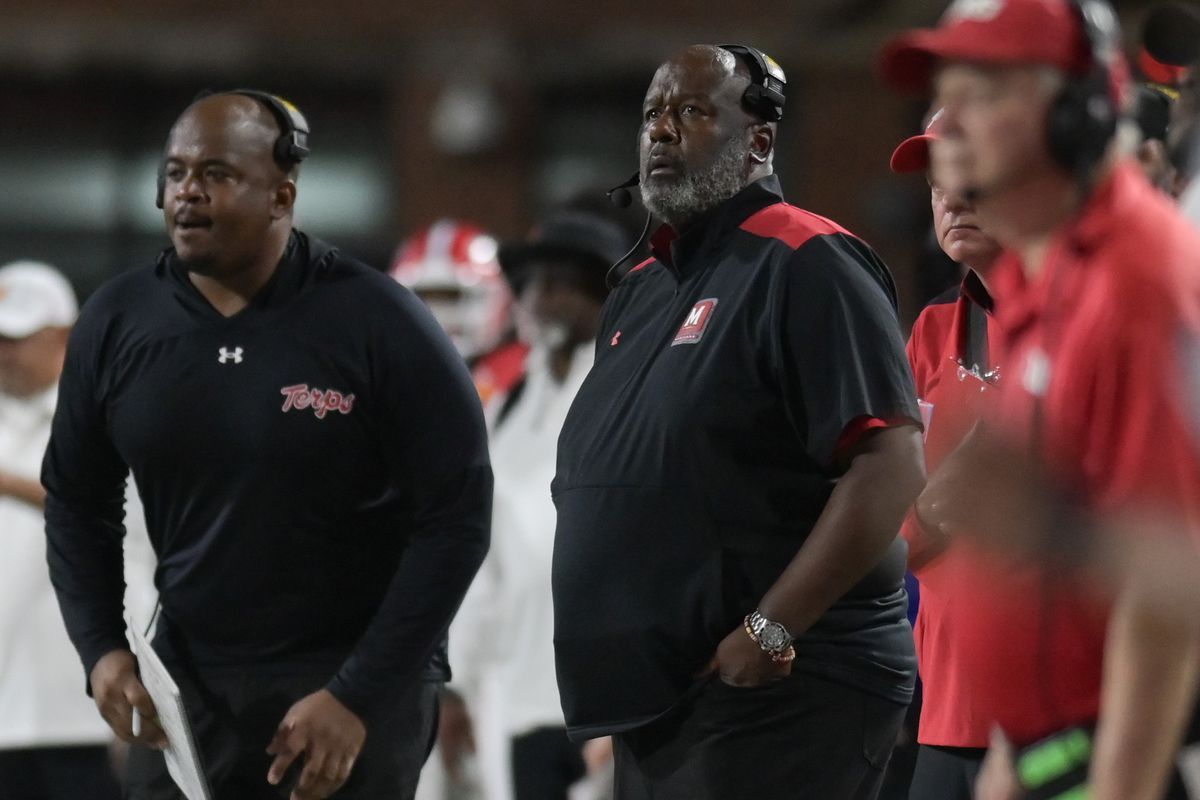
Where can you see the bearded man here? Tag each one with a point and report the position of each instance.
(728, 583)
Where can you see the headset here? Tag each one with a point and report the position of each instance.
(1083, 117)
(290, 148)
(763, 97)
(765, 94)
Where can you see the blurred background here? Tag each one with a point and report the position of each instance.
(487, 112)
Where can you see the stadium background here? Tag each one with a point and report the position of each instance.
(484, 111)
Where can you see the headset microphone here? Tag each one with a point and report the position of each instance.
(645, 230)
(621, 197)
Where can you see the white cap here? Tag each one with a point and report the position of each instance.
(34, 296)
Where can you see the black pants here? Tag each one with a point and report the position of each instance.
(545, 763)
(234, 718)
(803, 738)
(1181, 788)
(58, 773)
(946, 773)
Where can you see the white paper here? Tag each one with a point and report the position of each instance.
(183, 760)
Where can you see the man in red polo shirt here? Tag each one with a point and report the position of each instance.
(953, 351)
(1100, 285)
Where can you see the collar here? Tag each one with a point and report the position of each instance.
(973, 289)
(682, 253)
(1069, 253)
(289, 278)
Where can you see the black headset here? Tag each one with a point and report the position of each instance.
(290, 148)
(1083, 118)
(765, 94)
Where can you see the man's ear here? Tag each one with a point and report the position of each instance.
(284, 199)
(762, 142)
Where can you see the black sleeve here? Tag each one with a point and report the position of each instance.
(842, 352)
(85, 478)
(434, 438)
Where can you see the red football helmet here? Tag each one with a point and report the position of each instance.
(452, 267)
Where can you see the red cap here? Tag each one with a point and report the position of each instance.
(912, 155)
(988, 31)
(1158, 72)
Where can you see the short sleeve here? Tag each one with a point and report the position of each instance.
(843, 357)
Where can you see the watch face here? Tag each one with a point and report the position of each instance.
(774, 637)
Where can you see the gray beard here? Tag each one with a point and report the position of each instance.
(696, 192)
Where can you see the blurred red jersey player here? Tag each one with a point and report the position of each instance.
(452, 267)
(1099, 287)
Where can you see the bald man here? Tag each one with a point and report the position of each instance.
(728, 583)
(312, 458)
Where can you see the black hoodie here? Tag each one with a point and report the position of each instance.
(314, 471)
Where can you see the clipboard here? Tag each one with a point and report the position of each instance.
(181, 754)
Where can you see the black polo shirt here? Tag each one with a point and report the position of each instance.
(730, 369)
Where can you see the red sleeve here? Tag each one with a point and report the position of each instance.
(911, 349)
(859, 426)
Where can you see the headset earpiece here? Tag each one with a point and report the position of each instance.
(1083, 118)
(765, 94)
(162, 186)
(289, 149)
(292, 145)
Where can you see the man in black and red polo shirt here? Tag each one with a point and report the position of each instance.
(1099, 287)
(954, 353)
(728, 582)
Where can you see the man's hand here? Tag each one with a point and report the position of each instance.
(997, 779)
(597, 754)
(991, 492)
(328, 734)
(951, 493)
(117, 691)
(456, 736)
(741, 662)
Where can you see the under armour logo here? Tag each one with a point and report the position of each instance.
(225, 355)
(616, 338)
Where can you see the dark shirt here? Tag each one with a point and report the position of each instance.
(703, 447)
(313, 468)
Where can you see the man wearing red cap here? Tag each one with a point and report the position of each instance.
(1100, 282)
(953, 353)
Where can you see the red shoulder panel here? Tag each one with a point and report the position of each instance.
(790, 225)
(640, 266)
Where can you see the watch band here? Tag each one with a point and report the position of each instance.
(771, 636)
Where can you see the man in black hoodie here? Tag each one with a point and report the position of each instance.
(312, 459)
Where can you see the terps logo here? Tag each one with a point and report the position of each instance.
(320, 401)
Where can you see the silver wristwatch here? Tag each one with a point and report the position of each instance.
(772, 637)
